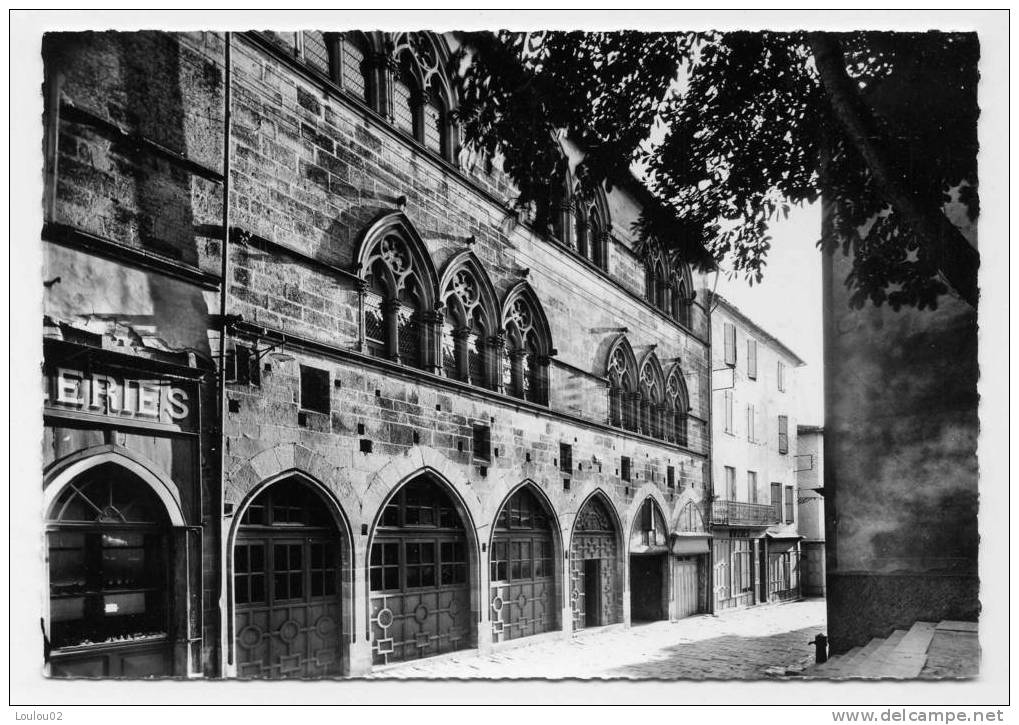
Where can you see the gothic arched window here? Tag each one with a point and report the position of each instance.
(624, 398)
(652, 398)
(677, 404)
(398, 290)
(468, 325)
(528, 346)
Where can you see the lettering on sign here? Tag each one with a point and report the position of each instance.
(117, 396)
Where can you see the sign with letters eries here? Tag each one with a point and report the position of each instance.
(147, 400)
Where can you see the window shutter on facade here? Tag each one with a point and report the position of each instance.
(727, 407)
(783, 434)
(781, 376)
(789, 505)
(776, 500)
(752, 359)
(729, 335)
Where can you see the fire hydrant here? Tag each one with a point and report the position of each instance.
(820, 643)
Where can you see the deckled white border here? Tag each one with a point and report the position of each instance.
(29, 690)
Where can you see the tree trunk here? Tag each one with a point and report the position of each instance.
(955, 257)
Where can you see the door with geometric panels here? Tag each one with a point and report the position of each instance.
(594, 567)
(287, 590)
(522, 562)
(418, 576)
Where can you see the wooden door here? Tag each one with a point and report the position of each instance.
(287, 597)
(685, 578)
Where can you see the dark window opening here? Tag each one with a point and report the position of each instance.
(624, 468)
(670, 476)
(482, 442)
(314, 389)
(565, 457)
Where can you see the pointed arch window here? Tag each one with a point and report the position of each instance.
(652, 398)
(624, 398)
(528, 348)
(398, 293)
(467, 325)
(677, 404)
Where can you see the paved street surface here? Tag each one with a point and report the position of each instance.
(733, 645)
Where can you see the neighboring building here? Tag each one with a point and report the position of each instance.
(901, 422)
(810, 507)
(753, 510)
(441, 428)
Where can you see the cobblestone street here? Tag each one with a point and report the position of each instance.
(734, 645)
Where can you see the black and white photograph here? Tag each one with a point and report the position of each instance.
(649, 350)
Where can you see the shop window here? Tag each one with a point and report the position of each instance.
(565, 457)
(741, 567)
(108, 557)
(482, 443)
(314, 389)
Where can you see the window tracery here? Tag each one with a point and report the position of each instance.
(467, 327)
(397, 294)
(528, 347)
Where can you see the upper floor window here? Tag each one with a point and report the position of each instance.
(621, 371)
(780, 374)
(729, 342)
(398, 290)
(652, 398)
(528, 346)
(469, 322)
(342, 57)
(752, 359)
(677, 403)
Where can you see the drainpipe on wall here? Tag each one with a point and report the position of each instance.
(225, 629)
(709, 480)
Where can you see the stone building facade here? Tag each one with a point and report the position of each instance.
(425, 425)
(755, 543)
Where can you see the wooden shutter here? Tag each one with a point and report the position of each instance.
(752, 359)
(752, 486)
(729, 336)
(776, 500)
(728, 410)
(781, 376)
(789, 501)
(783, 434)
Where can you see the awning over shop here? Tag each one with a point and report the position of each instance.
(687, 544)
(778, 543)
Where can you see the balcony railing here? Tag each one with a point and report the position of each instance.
(738, 513)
